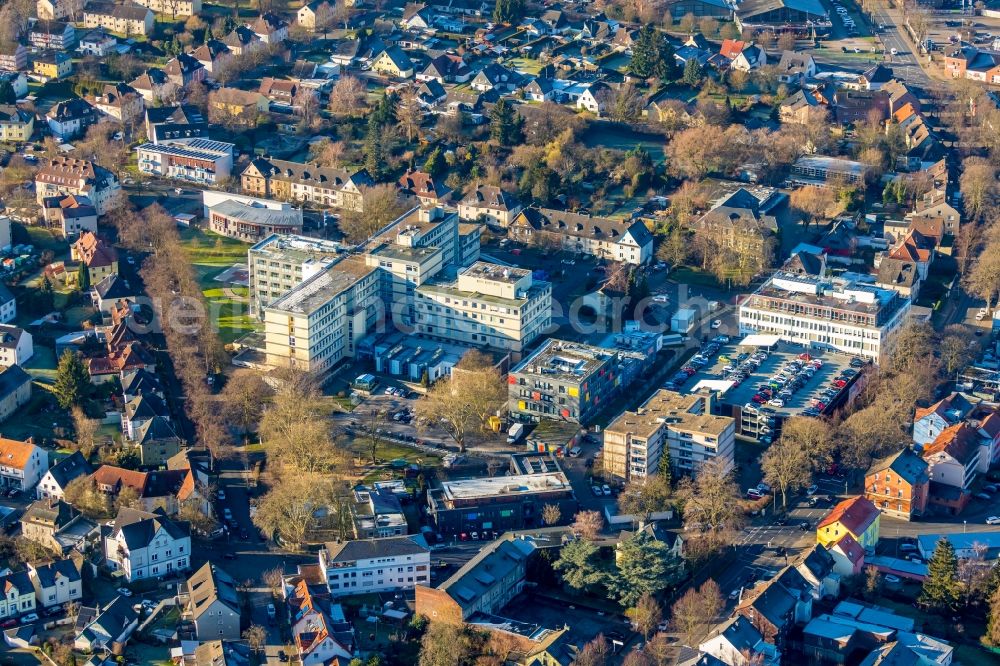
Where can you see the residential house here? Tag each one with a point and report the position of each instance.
(916, 249)
(774, 607)
(52, 65)
(953, 461)
(184, 70)
(795, 67)
(320, 631)
(242, 41)
(153, 85)
(417, 16)
(212, 55)
(108, 627)
(900, 275)
(969, 62)
(394, 63)
(100, 257)
(17, 80)
(198, 161)
(741, 221)
(739, 643)
(74, 214)
(212, 604)
(854, 106)
(484, 584)
(899, 485)
(856, 516)
(295, 181)
(490, 204)
(156, 441)
(144, 544)
(57, 526)
(55, 35)
(16, 124)
(816, 566)
(929, 422)
(446, 68)
(280, 91)
(495, 77)
(56, 478)
(848, 556)
(67, 175)
(217, 653)
(875, 77)
(22, 464)
(16, 345)
(98, 43)
(239, 104)
(15, 390)
(424, 187)
(119, 101)
(57, 582)
(126, 19)
(141, 409)
(626, 241)
(18, 597)
(70, 119)
(375, 565)
(315, 15)
(540, 89)
(270, 28)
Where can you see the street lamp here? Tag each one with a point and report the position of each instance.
(965, 526)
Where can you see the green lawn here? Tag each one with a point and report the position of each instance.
(210, 254)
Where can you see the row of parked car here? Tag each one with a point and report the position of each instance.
(783, 384)
(697, 362)
(823, 397)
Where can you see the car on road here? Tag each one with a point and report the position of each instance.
(597, 491)
(124, 591)
(776, 402)
(735, 594)
(893, 51)
(8, 623)
(908, 548)
(29, 618)
(811, 490)
(889, 578)
(717, 323)
(754, 494)
(993, 520)
(983, 496)
(805, 526)
(221, 494)
(990, 488)
(606, 489)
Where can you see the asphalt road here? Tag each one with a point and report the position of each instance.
(904, 64)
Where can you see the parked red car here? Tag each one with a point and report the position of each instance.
(840, 383)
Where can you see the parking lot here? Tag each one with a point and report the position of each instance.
(783, 380)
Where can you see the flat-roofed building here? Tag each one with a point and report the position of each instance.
(250, 221)
(826, 313)
(487, 305)
(201, 161)
(681, 424)
(390, 564)
(317, 324)
(823, 171)
(500, 503)
(281, 262)
(571, 381)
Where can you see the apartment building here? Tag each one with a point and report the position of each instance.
(490, 204)
(683, 425)
(18, 596)
(281, 262)
(56, 583)
(14, 57)
(144, 544)
(319, 323)
(953, 461)
(15, 390)
(175, 8)
(571, 381)
(295, 181)
(67, 175)
(898, 485)
(16, 345)
(392, 564)
(212, 604)
(200, 161)
(125, 19)
(487, 305)
(826, 313)
(626, 241)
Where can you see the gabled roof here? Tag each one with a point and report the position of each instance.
(119, 477)
(581, 225)
(491, 197)
(94, 251)
(114, 287)
(15, 453)
(898, 273)
(488, 568)
(140, 381)
(851, 549)
(12, 378)
(856, 514)
(155, 429)
(731, 48)
(423, 184)
(958, 441)
(952, 409)
(137, 528)
(50, 511)
(49, 574)
(69, 468)
(741, 634)
(208, 585)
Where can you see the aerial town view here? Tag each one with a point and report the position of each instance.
(500, 332)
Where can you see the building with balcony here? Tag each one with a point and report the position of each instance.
(295, 181)
(249, 221)
(684, 425)
(22, 464)
(66, 175)
(144, 544)
(392, 564)
(200, 161)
